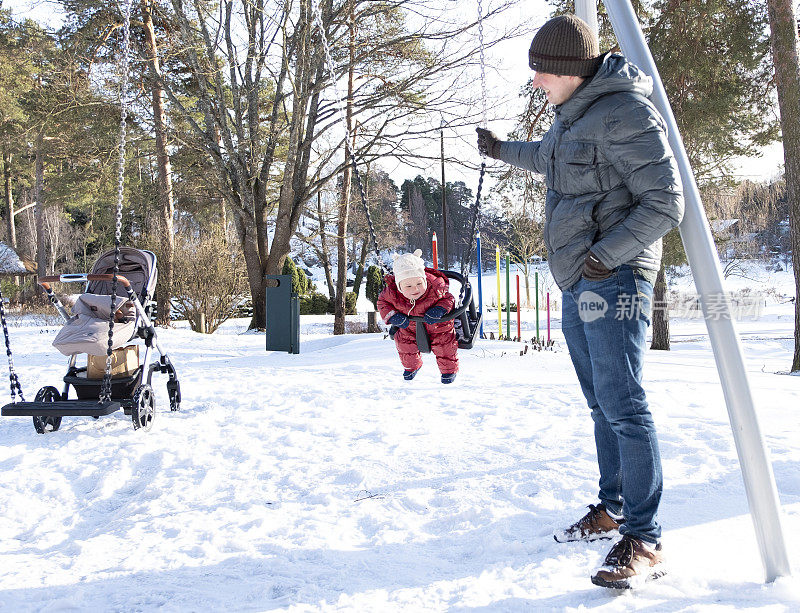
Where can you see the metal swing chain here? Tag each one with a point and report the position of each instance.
(466, 262)
(105, 390)
(348, 148)
(12, 374)
(366, 210)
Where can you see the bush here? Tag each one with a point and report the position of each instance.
(303, 282)
(350, 303)
(209, 280)
(290, 269)
(374, 285)
(314, 304)
(11, 290)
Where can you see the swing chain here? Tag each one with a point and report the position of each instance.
(483, 69)
(474, 225)
(105, 390)
(357, 175)
(12, 374)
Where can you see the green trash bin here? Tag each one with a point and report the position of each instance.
(283, 315)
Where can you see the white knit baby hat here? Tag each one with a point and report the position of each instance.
(408, 265)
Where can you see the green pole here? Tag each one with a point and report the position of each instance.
(536, 282)
(508, 297)
(499, 293)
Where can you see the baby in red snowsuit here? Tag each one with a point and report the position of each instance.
(419, 291)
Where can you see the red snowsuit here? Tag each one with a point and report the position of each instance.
(442, 335)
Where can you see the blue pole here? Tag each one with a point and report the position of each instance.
(480, 284)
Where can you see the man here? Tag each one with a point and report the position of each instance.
(613, 190)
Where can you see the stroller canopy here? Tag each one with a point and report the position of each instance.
(136, 265)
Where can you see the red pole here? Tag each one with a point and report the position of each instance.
(435, 253)
(548, 317)
(519, 329)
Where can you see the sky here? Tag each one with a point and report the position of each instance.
(506, 74)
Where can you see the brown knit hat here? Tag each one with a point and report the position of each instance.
(565, 45)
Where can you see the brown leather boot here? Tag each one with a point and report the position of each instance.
(596, 524)
(630, 562)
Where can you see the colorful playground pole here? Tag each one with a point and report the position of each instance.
(548, 317)
(536, 279)
(435, 253)
(499, 307)
(480, 284)
(519, 328)
(508, 298)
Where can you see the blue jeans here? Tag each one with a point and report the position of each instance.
(605, 326)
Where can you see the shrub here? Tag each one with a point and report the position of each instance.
(290, 269)
(350, 303)
(303, 282)
(10, 290)
(374, 285)
(209, 280)
(314, 304)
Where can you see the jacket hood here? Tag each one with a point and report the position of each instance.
(616, 74)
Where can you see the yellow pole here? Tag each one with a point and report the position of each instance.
(499, 308)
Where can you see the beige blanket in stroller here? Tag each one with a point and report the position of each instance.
(87, 330)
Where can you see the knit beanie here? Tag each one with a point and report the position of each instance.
(565, 45)
(408, 265)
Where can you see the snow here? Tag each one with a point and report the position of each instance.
(324, 482)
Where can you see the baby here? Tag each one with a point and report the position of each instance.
(414, 290)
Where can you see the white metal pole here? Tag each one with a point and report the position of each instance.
(759, 482)
(587, 10)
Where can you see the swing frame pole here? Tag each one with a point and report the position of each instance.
(759, 481)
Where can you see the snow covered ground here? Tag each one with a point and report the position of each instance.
(324, 482)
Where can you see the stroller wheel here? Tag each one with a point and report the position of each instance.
(47, 423)
(144, 407)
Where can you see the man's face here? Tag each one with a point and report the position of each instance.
(558, 88)
(412, 288)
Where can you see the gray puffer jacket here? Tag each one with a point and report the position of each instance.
(612, 181)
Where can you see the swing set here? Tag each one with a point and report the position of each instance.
(465, 316)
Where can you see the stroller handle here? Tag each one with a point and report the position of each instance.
(70, 278)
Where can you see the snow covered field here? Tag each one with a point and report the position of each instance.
(324, 482)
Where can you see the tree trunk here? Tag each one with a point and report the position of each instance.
(166, 205)
(325, 255)
(660, 313)
(10, 226)
(344, 208)
(783, 26)
(256, 274)
(527, 286)
(361, 264)
(41, 251)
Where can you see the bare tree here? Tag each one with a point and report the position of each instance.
(347, 179)
(259, 81)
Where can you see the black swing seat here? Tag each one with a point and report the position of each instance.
(62, 408)
(466, 318)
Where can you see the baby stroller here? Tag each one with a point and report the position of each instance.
(86, 332)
